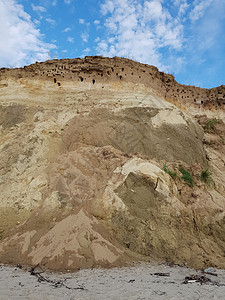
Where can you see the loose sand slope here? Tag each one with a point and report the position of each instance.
(82, 179)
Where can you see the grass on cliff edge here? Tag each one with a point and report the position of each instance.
(186, 176)
(205, 175)
(171, 173)
(210, 125)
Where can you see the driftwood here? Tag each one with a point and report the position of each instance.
(196, 278)
(161, 274)
(54, 283)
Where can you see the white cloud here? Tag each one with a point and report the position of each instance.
(37, 22)
(210, 28)
(70, 39)
(67, 29)
(182, 10)
(199, 9)
(21, 43)
(54, 2)
(96, 22)
(81, 21)
(64, 51)
(153, 10)
(51, 21)
(169, 34)
(86, 50)
(38, 8)
(67, 1)
(103, 46)
(85, 37)
(138, 31)
(107, 7)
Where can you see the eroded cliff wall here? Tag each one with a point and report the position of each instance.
(95, 69)
(90, 171)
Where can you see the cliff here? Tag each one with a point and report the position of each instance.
(104, 161)
(102, 70)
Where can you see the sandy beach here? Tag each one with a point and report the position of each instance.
(141, 281)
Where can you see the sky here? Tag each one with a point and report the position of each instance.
(185, 38)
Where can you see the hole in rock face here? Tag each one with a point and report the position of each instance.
(55, 80)
(59, 84)
(122, 69)
(93, 81)
(81, 78)
(121, 77)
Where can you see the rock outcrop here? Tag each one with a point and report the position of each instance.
(104, 161)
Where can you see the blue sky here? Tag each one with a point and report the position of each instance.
(182, 37)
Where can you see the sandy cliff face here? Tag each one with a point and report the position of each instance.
(83, 146)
